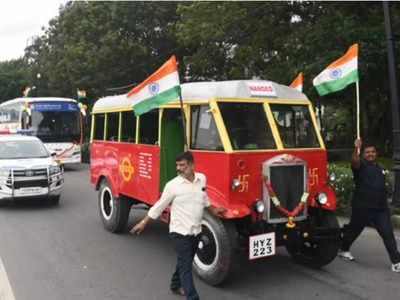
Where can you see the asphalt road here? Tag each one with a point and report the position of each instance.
(63, 253)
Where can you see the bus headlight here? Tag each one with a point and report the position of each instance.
(235, 183)
(321, 198)
(259, 206)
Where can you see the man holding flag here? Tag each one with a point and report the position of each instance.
(369, 202)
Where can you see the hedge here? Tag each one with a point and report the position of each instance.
(344, 184)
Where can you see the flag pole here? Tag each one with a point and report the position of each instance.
(358, 109)
(183, 122)
(185, 147)
(358, 112)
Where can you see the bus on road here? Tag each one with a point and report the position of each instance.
(260, 148)
(56, 121)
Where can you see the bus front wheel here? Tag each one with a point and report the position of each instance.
(216, 248)
(114, 212)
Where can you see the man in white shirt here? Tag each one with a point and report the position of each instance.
(186, 196)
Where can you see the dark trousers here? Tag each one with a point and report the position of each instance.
(380, 218)
(185, 247)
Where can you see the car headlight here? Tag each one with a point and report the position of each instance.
(321, 198)
(259, 206)
(54, 170)
(4, 173)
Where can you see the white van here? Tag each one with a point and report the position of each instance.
(28, 170)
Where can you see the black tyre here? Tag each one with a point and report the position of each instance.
(217, 246)
(113, 212)
(317, 253)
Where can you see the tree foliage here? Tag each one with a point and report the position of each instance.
(13, 78)
(99, 45)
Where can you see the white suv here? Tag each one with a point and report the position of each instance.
(27, 170)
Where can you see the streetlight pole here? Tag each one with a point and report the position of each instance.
(394, 102)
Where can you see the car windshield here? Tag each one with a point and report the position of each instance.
(295, 126)
(247, 125)
(22, 149)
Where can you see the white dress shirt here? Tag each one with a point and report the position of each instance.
(187, 200)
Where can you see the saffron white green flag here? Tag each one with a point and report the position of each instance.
(81, 94)
(298, 82)
(338, 74)
(159, 88)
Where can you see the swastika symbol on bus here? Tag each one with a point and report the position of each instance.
(244, 183)
(313, 175)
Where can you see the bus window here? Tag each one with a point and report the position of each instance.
(247, 126)
(112, 127)
(295, 126)
(98, 127)
(128, 127)
(204, 134)
(148, 127)
(10, 113)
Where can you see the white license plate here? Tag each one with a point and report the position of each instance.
(261, 245)
(31, 190)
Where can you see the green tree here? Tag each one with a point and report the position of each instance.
(99, 45)
(14, 77)
(276, 41)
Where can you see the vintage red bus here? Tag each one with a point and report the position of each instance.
(259, 146)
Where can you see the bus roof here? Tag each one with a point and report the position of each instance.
(195, 91)
(37, 99)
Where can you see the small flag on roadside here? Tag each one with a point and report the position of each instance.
(298, 82)
(81, 94)
(338, 74)
(26, 91)
(158, 89)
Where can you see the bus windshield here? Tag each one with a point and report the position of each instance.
(56, 126)
(295, 126)
(247, 126)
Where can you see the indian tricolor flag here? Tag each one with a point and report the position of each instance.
(298, 83)
(338, 74)
(158, 89)
(81, 94)
(26, 91)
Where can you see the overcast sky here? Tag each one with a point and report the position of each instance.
(22, 19)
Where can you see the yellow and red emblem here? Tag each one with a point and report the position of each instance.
(126, 169)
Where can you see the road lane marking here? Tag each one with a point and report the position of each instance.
(6, 292)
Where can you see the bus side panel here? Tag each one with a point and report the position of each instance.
(215, 166)
(139, 171)
(104, 162)
(96, 161)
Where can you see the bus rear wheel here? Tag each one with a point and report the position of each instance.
(114, 212)
(214, 256)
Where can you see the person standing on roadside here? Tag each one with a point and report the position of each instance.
(185, 194)
(369, 204)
